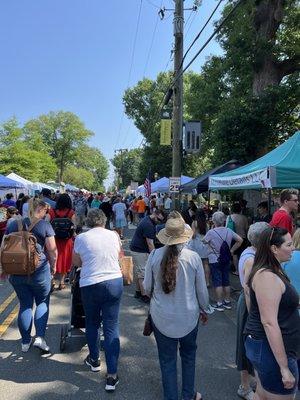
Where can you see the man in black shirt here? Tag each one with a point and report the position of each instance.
(141, 245)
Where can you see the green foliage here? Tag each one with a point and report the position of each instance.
(16, 155)
(62, 132)
(44, 149)
(247, 99)
(92, 160)
(128, 166)
(79, 177)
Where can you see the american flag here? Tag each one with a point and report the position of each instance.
(147, 185)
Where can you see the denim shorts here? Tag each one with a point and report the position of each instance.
(261, 356)
(219, 274)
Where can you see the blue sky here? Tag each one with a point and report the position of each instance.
(75, 55)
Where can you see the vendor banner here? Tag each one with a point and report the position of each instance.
(165, 132)
(255, 178)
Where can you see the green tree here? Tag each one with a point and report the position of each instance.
(248, 99)
(79, 177)
(92, 160)
(128, 166)
(142, 104)
(16, 155)
(62, 133)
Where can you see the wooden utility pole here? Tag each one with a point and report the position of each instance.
(177, 95)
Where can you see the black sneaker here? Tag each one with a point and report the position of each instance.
(138, 294)
(111, 383)
(94, 365)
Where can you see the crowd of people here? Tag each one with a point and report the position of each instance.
(177, 257)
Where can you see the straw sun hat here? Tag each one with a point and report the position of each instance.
(175, 232)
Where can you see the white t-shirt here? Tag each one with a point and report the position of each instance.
(99, 250)
(168, 203)
(118, 209)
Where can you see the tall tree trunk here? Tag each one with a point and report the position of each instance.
(268, 70)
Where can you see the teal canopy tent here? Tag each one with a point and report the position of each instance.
(280, 168)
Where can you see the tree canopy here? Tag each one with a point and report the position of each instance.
(52, 147)
(247, 99)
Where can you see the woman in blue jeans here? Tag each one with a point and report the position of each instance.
(36, 287)
(175, 281)
(97, 251)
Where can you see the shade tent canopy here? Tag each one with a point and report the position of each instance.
(162, 185)
(39, 186)
(71, 188)
(27, 184)
(280, 168)
(200, 184)
(7, 183)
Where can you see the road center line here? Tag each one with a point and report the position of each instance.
(7, 302)
(8, 320)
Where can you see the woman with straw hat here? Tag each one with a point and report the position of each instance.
(175, 281)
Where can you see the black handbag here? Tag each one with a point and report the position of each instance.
(148, 327)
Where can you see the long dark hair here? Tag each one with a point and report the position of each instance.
(169, 265)
(264, 257)
(63, 201)
(200, 220)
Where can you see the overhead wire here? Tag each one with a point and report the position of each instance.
(217, 29)
(148, 55)
(153, 5)
(131, 66)
(152, 42)
(200, 32)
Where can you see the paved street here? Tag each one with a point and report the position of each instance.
(64, 376)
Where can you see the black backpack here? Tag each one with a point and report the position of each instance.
(63, 226)
(225, 254)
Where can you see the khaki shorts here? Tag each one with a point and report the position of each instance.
(139, 263)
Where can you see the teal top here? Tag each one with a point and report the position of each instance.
(292, 269)
(95, 203)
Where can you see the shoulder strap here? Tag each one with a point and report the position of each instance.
(33, 224)
(20, 225)
(223, 240)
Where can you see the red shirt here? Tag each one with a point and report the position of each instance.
(282, 219)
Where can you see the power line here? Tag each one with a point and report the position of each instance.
(152, 41)
(131, 65)
(218, 28)
(191, 23)
(154, 5)
(200, 32)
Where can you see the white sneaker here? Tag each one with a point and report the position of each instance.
(26, 346)
(245, 394)
(41, 344)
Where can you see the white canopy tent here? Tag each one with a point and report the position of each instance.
(26, 183)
